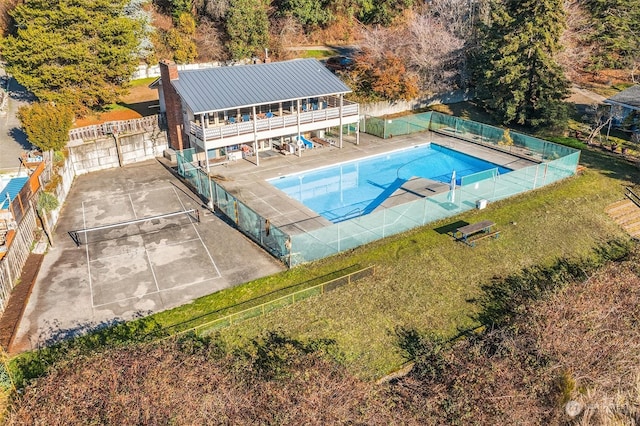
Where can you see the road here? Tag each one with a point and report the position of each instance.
(13, 141)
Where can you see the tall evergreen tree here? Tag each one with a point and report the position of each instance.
(247, 26)
(616, 33)
(73, 52)
(516, 73)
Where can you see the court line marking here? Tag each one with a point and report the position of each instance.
(132, 207)
(141, 249)
(153, 272)
(159, 292)
(148, 258)
(199, 237)
(84, 224)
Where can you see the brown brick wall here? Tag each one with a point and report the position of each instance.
(175, 126)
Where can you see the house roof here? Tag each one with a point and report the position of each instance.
(11, 190)
(629, 98)
(221, 88)
(155, 83)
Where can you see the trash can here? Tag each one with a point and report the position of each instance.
(481, 204)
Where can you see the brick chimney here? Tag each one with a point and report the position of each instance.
(173, 105)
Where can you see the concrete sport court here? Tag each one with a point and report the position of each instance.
(124, 272)
(155, 265)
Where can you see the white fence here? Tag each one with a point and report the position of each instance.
(379, 109)
(97, 131)
(147, 71)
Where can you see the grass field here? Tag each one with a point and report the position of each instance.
(424, 278)
(137, 103)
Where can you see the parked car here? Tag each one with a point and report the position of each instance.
(339, 63)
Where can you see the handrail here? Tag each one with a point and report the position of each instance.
(275, 122)
(633, 197)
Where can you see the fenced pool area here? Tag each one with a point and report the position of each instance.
(356, 188)
(296, 233)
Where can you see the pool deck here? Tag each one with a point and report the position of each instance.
(248, 182)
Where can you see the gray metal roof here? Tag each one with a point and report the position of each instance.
(221, 88)
(629, 97)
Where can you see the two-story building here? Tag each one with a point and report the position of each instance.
(232, 111)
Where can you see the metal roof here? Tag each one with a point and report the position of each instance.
(9, 192)
(221, 88)
(629, 97)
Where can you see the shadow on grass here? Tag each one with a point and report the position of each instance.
(255, 301)
(450, 228)
(145, 109)
(611, 165)
(471, 111)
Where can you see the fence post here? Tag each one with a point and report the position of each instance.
(6, 263)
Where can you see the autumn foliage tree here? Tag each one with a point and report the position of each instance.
(180, 39)
(383, 78)
(46, 124)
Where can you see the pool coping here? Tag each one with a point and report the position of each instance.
(248, 182)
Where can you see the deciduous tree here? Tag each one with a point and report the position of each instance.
(517, 73)
(383, 77)
(46, 124)
(181, 39)
(383, 12)
(310, 13)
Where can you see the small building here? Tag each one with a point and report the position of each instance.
(233, 111)
(624, 105)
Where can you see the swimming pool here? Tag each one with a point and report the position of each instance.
(356, 188)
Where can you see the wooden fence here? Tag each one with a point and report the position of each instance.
(12, 263)
(97, 131)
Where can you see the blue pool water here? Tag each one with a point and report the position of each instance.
(356, 188)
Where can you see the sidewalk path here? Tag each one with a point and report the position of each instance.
(584, 96)
(13, 141)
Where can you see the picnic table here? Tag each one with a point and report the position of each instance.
(470, 234)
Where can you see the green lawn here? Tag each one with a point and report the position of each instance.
(424, 278)
(316, 53)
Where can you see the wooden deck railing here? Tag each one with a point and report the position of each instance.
(98, 131)
(276, 122)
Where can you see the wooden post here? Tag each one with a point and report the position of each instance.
(118, 150)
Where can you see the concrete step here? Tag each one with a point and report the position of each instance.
(629, 218)
(626, 205)
(626, 214)
(632, 227)
(619, 205)
(621, 209)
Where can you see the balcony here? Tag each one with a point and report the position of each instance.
(221, 135)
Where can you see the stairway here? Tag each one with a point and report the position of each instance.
(626, 214)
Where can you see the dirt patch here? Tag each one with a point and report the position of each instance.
(18, 300)
(125, 114)
(141, 101)
(141, 93)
